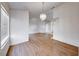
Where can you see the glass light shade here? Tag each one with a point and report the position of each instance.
(43, 16)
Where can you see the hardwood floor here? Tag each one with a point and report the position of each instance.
(41, 44)
(78, 51)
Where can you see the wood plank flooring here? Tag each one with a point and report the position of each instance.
(41, 44)
(78, 51)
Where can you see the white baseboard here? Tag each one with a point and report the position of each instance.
(18, 42)
(70, 42)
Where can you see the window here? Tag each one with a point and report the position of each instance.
(4, 25)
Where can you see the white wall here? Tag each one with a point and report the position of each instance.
(19, 26)
(49, 19)
(49, 27)
(37, 26)
(66, 28)
(41, 27)
(34, 25)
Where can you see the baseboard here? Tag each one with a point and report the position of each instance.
(70, 43)
(18, 42)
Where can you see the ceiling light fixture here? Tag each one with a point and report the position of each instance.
(43, 15)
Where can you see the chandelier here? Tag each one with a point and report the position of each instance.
(43, 15)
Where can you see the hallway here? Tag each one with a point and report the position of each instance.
(41, 44)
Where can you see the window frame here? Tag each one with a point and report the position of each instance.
(4, 41)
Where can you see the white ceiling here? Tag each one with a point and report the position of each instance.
(35, 8)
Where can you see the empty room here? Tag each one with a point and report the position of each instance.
(39, 28)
